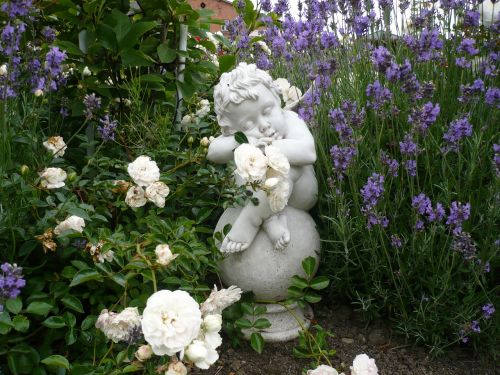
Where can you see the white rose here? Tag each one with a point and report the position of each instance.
(3, 70)
(108, 256)
(213, 322)
(271, 183)
(363, 365)
(164, 255)
(213, 339)
(218, 300)
(278, 197)
(73, 222)
(264, 47)
(119, 327)
(323, 370)
(170, 321)
(136, 197)
(176, 368)
(205, 142)
(143, 353)
(202, 354)
(251, 163)
(283, 84)
(203, 111)
(187, 119)
(55, 145)
(277, 160)
(38, 92)
(157, 192)
(53, 178)
(291, 95)
(86, 72)
(144, 171)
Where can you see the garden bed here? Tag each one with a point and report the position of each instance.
(352, 336)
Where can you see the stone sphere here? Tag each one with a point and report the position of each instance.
(262, 269)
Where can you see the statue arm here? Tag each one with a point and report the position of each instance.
(221, 149)
(298, 146)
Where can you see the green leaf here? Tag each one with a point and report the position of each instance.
(261, 323)
(132, 57)
(39, 308)
(5, 323)
(73, 303)
(165, 53)
(320, 282)
(69, 47)
(85, 275)
(240, 137)
(247, 308)
(106, 35)
(70, 337)
(226, 62)
(243, 323)
(136, 30)
(299, 282)
(308, 265)
(257, 342)
(54, 322)
(312, 297)
(14, 305)
(21, 323)
(56, 360)
(88, 322)
(295, 292)
(131, 368)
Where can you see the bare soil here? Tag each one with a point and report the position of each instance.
(352, 336)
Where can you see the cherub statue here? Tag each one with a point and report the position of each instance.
(248, 101)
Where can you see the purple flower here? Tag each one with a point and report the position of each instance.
(11, 281)
(488, 310)
(411, 167)
(49, 34)
(385, 4)
(54, 60)
(378, 94)
(92, 103)
(266, 5)
(354, 117)
(492, 96)
(422, 203)
(361, 24)
(342, 158)
(17, 8)
(429, 45)
(419, 226)
(487, 267)
(373, 190)
(408, 146)
(467, 45)
(392, 164)
(281, 7)
(471, 92)
(424, 117)
(496, 160)
(107, 129)
(263, 62)
(436, 214)
(462, 62)
(382, 59)
(396, 241)
(457, 130)
(464, 244)
(475, 326)
(462, 336)
(329, 40)
(458, 214)
(471, 18)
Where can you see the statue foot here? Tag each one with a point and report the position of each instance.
(276, 228)
(239, 237)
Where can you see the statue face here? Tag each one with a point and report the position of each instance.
(259, 118)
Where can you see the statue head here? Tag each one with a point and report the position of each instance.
(245, 82)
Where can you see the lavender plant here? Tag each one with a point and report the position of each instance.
(409, 199)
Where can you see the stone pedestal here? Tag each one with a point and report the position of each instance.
(268, 272)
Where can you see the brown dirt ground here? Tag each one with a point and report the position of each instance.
(392, 355)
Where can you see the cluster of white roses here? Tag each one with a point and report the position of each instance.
(203, 109)
(268, 170)
(362, 365)
(172, 322)
(146, 175)
(53, 178)
(72, 222)
(290, 94)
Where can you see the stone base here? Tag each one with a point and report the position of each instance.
(284, 324)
